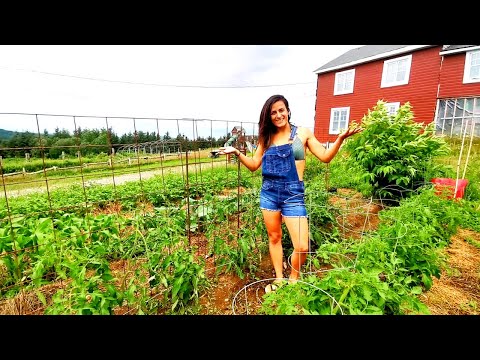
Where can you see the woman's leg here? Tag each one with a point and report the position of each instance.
(298, 230)
(273, 223)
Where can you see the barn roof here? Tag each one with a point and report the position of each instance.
(367, 53)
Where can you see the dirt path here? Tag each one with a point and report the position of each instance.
(457, 291)
(144, 175)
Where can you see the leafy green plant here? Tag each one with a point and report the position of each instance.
(87, 294)
(182, 278)
(394, 150)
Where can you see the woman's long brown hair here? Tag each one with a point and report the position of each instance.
(265, 126)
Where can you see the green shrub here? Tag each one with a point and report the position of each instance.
(394, 151)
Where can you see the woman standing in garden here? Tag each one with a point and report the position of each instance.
(281, 149)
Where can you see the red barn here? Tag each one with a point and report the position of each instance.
(440, 82)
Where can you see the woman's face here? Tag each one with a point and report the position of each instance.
(279, 114)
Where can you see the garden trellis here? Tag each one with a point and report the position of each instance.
(163, 235)
(470, 123)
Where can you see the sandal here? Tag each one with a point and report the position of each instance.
(270, 288)
(273, 286)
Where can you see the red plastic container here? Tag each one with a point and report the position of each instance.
(446, 187)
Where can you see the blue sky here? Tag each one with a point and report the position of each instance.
(222, 83)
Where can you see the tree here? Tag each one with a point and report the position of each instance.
(167, 136)
(62, 145)
(24, 141)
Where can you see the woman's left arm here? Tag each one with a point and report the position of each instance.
(326, 155)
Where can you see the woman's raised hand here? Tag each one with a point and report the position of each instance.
(227, 150)
(353, 129)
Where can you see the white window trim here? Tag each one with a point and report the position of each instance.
(407, 72)
(332, 111)
(337, 78)
(394, 104)
(466, 71)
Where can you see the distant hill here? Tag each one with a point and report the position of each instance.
(6, 134)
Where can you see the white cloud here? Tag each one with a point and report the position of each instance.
(132, 75)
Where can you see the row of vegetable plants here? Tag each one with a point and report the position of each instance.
(45, 237)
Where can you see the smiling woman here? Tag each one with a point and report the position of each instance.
(282, 196)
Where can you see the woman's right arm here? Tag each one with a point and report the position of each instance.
(251, 163)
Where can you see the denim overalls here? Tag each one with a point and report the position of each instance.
(281, 189)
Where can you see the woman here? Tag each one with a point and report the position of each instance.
(281, 149)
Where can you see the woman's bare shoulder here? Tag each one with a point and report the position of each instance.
(304, 132)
